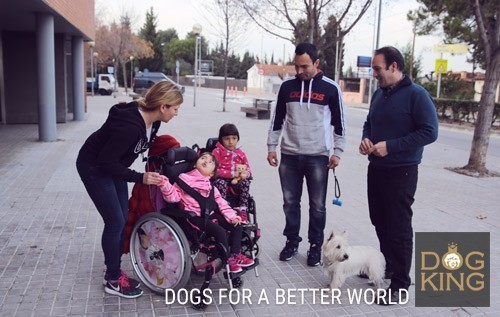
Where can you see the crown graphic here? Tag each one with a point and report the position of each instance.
(452, 247)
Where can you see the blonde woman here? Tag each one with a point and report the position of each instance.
(103, 164)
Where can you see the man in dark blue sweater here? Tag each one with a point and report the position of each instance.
(401, 121)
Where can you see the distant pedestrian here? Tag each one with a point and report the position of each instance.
(401, 121)
(309, 118)
(103, 164)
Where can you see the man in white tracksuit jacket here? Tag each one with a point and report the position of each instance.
(309, 118)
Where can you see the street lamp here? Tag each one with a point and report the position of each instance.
(197, 32)
(131, 72)
(91, 45)
(95, 55)
(376, 42)
(116, 78)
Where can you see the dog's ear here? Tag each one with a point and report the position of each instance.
(330, 237)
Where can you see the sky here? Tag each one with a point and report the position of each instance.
(395, 30)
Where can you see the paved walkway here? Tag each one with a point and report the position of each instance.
(51, 263)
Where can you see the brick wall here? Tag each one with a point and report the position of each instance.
(80, 13)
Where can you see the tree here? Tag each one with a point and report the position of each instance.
(301, 21)
(148, 33)
(421, 26)
(165, 37)
(451, 88)
(185, 50)
(246, 63)
(227, 19)
(115, 43)
(470, 20)
(329, 53)
(217, 56)
(413, 66)
(233, 65)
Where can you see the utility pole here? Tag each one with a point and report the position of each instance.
(413, 49)
(375, 46)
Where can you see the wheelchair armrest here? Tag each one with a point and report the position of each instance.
(174, 212)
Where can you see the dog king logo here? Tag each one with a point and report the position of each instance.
(452, 260)
(452, 269)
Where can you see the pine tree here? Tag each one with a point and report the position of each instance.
(148, 32)
(246, 63)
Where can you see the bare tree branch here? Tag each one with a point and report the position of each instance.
(363, 11)
(254, 19)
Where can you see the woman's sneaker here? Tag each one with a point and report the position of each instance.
(132, 281)
(234, 267)
(243, 261)
(122, 288)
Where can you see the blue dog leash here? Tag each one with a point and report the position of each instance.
(337, 201)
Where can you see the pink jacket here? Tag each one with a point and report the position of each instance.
(228, 159)
(200, 183)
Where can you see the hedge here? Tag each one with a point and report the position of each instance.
(462, 111)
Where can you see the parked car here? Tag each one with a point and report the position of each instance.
(144, 80)
(104, 84)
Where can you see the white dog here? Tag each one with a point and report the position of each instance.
(341, 261)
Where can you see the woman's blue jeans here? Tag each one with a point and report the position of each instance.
(292, 170)
(110, 196)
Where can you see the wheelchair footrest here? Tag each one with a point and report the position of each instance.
(256, 262)
(250, 226)
(233, 275)
(245, 269)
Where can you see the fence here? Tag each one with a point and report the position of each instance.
(211, 82)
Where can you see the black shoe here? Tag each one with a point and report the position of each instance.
(314, 255)
(291, 248)
(393, 297)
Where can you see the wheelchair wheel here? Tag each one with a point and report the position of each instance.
(200, 262)
(160, 253)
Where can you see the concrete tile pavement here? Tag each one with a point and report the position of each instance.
(51, 263)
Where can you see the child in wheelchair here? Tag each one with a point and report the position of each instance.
(218, 223)
(234, 169)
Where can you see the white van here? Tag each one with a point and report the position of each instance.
(104, 84)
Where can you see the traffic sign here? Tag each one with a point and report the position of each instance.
(206, 66)
(451, 48)
(441, 66)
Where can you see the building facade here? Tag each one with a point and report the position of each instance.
(42, 72)
(266, 79)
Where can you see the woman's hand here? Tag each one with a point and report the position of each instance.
(151, 178)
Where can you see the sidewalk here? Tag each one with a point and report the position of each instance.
(51, 263)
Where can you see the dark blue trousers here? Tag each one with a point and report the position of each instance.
(391, 194)
(110, 197)
(292, 170)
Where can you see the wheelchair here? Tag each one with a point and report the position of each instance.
(165, 249)
(251, 231)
